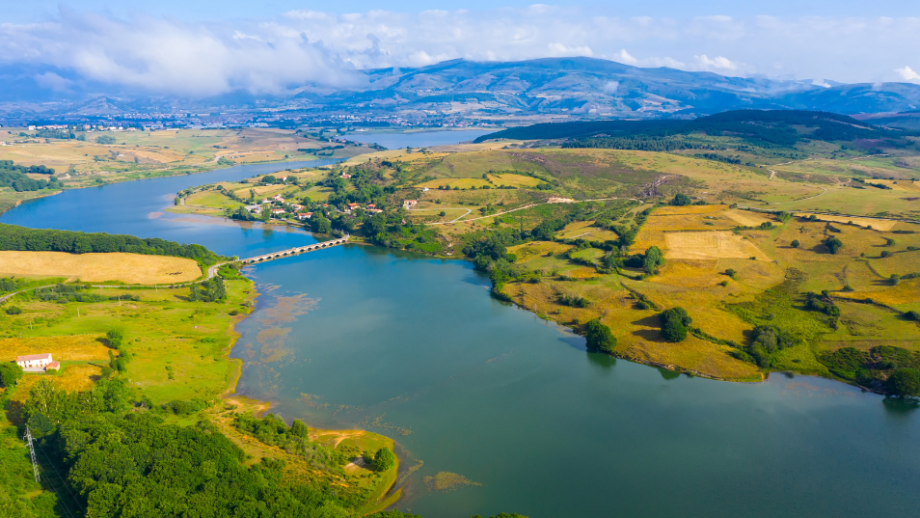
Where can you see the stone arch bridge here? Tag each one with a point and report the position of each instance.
(295, 251)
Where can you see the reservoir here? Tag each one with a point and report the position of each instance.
(512, 411)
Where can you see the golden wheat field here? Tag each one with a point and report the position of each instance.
(877, 224)
(73, 378)
(127, 268)
(710, 245)
(62, 348)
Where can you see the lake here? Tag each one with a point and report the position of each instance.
(415, 348)
(417, 139)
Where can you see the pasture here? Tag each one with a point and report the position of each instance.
(120, 267)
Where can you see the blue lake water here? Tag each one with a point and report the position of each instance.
(415, 348)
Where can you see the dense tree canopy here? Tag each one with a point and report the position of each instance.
(599, 337)
(674, 324)
(45, 240)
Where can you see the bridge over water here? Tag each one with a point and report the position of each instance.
(295, 251)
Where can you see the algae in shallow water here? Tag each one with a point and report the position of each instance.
(446, 481)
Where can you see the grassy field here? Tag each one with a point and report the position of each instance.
(137, 155)
(126, 268)
(701, 243)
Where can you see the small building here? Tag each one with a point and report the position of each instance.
(409, 204)
(304, 215)
(425, 189)
(254, 208)
(278, 212)
(53, 366)
(346, 176)
(296, 206)
(34, 362)
(371, 206)
(374, 211)
(353, 206)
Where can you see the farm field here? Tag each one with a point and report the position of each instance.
(121, 267)
(733, 269)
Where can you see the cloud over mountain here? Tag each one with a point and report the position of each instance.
(163, 55)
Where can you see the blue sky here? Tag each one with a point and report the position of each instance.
(196, 10)
(201, 48)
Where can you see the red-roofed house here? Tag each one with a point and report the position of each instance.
(304, 215)
(372, 205)
(410, 203)
(53, 366)
(276, 212)
(34, 362)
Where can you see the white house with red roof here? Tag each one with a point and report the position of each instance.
(35, 362)
(304, 215)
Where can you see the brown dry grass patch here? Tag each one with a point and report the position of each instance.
(710, 245)
(127, 268)
(74, 378)
(62, 348)
(876, 224)
(747, 219)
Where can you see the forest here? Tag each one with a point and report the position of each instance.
(770, 128)
(17, 238)
(15, 176)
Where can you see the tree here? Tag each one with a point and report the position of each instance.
(895, 279)
(376, 224)
(795, 243)
(321, 225)
(653, 259)
(599, 337)
(115, 337)
(681, 199)
(784, 217)
(9, 374)
(833, 244)
(903, 383)
(384, 459)
(674, 324)
(105, 139)
(731, 273)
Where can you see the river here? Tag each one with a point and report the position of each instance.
(415, 348)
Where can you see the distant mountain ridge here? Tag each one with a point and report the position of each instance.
(575, 88)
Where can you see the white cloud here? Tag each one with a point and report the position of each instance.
(623, 57)
(52, 81)
(611, 87)
(717, 64)
(908, 74)
(270, 55)
(558, 50)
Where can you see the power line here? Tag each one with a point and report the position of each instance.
(63, 482)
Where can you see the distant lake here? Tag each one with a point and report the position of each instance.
(418, 139)
(414, 348)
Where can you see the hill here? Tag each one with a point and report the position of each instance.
(774, 127)
(574, 88)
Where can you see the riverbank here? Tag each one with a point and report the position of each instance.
(178, 351)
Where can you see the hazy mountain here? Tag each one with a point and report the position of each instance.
(578, 87)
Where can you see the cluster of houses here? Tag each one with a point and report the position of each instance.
(37, 363)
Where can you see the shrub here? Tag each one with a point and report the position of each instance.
(731, 273)
(795, 243)
(903, 383)
(833, 244)
(886, 253)
(384, 459)
(766, 341)
(912, 315)
(653, 259)
(9, 374)
(599, 337)
(681, 199)
(674, 324)
(13, 310)
(894, 280)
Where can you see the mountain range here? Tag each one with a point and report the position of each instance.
(567, 88)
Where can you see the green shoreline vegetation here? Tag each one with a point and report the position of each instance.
(566, 231)
(153, 374)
